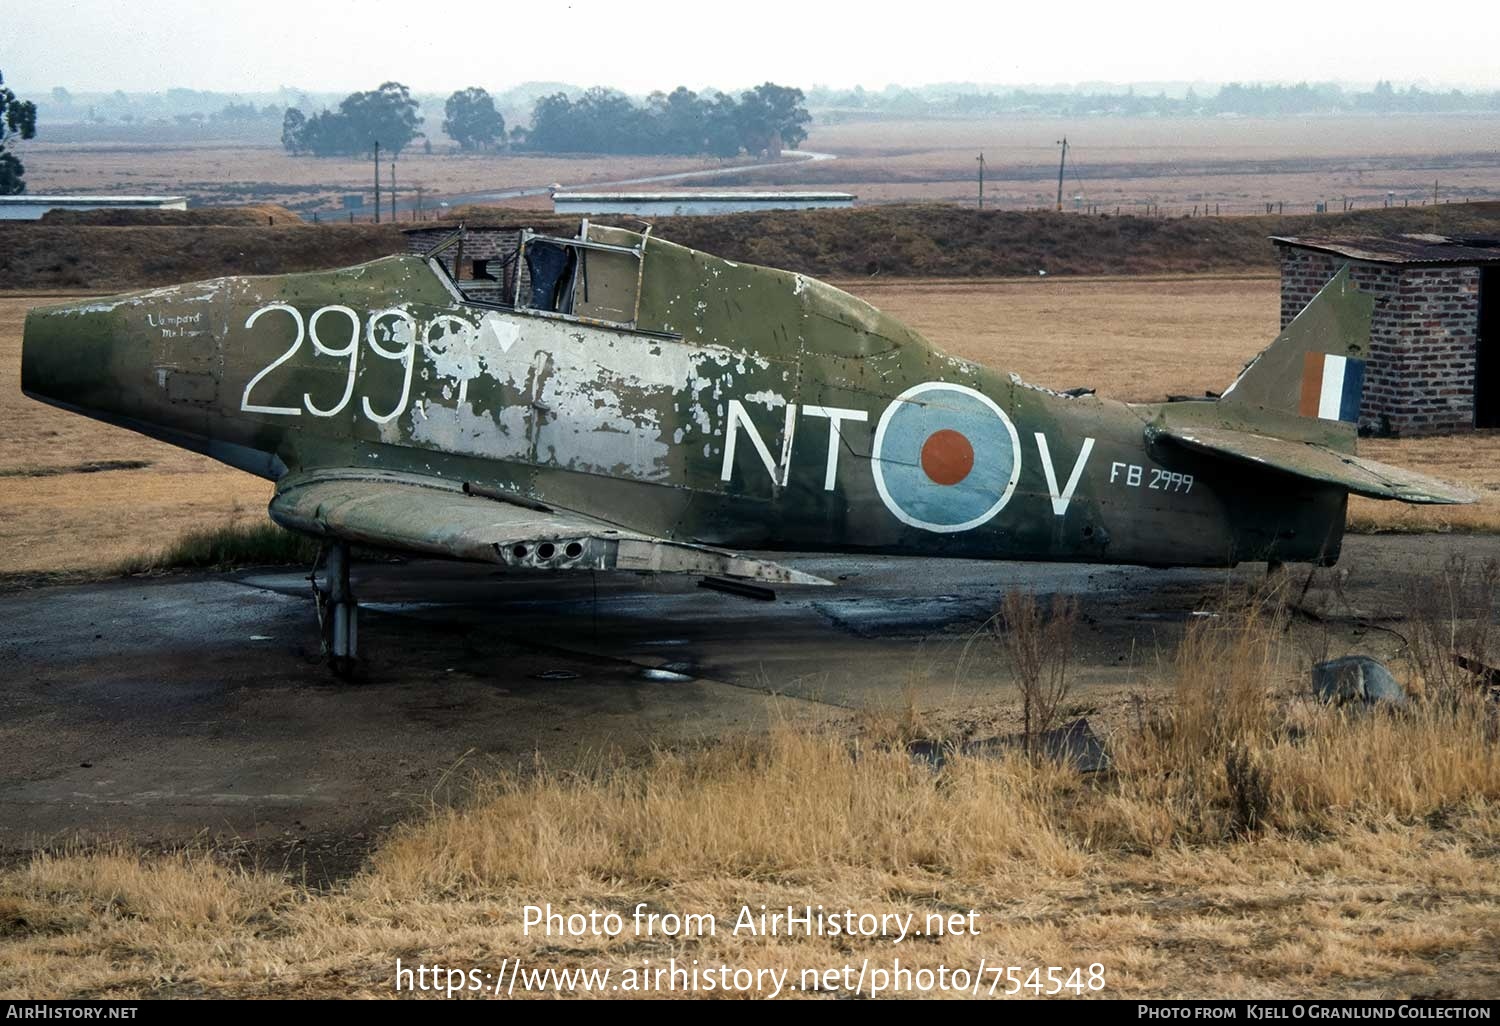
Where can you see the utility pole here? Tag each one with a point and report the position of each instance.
(1063, 142)
(417, 214)
(981, 180)
(393, 192)
(377, 181)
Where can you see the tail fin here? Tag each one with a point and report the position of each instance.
(1316, 366)
(1293, 408)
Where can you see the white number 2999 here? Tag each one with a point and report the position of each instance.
(404, 334)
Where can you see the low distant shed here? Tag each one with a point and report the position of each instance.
(1434, 360)
(30, 207)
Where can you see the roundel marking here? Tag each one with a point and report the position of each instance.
(945, 457)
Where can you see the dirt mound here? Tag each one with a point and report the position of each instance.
(48, 256)
(915, 241)
(945, 241)
(935, 240)
(261, 215)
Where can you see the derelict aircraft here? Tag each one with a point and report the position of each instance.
(617, 402)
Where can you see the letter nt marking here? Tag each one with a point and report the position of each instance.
(740, 417)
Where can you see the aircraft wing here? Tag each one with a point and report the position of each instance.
(1317, 463)
(442, 518)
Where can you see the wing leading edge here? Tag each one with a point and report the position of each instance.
(439, 518)
(1317, 463)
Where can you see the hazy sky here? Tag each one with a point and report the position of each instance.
(235, 45)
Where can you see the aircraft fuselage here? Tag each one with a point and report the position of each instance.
(759, 427)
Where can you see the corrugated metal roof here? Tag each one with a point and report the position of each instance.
(1402, 249)
(37, 199)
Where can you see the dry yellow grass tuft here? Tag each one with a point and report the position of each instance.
(227, 546)
(1246, 842)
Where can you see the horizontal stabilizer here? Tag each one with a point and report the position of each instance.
(434, 517)
(1316, 463)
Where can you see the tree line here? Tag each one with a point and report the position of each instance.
(764, 119)
(760, 120)
(387, 116)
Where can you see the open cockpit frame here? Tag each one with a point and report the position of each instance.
(578, 279)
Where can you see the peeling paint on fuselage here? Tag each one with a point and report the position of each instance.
(499, 435)
(557, 393)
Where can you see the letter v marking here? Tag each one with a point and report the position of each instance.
(1061, 500)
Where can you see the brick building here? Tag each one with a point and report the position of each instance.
(1434, 360)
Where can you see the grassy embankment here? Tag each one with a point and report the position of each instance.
(907, 240)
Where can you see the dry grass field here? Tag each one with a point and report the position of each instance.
(83, 497)
(1239, 164)
(250, 174)
(1138, 339)
(1017, 139)
(1246, 842)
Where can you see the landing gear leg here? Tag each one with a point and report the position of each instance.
(342, 622)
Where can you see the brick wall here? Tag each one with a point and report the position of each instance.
(1420, 373)
(1439, 326)
(492, 244)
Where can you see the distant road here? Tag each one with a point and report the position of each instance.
(402, 206)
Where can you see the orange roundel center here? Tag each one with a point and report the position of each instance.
(947, 457)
